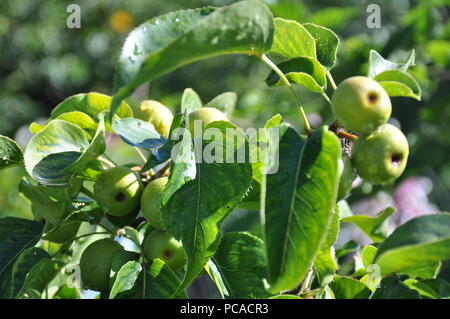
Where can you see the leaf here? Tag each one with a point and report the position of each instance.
(126, 278)
(91, 104)
(377, 64)
(297, 204)
(133, 235)
(399, 83)
(216, 276)
(170, 41)
(138, 133)
(190, 101)
(194, 212)
(10, 152)
(420, 242)
(429, 288)
(327, 43)
(226, 102)
(27, 259)
(349, 247)
(292, 40)
(61, 150)
(304, 71)
(241, 260)
(392, 288)
(348, 288)
(156, 281)
(78, 118)
(368, 255)
(375, 227)
(325, 263)
(286, 297)
(347, 177)
(40, 275)
(16, 234)
(66, 292)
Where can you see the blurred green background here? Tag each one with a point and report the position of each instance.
(42, 62)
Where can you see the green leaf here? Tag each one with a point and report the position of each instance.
(190, 101)
(154, 281)
(420, 242)
(41, 274)
(27, 259)
(78, 118)
(429, 288)
(194, 212)
(349, 247)
(61, 150)
(399, 83)
(325, 263)
(348, 288)
(377, 64)
(392, 288)
(16, 234)
(286, 297)
(133, 235)
(126, 278)
(91, 104)
(216, 276)
(241, 260)
(375, 227)
(10, 152)
(292, 40)
(368, 255)
(66, 292)
(305, 71)
(138, 133)
(327, 43)
(297, 203)
(170, 41)
(226, 102)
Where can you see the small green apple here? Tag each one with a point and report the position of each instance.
(157, 114)
(206, 115)
(381, 156)
(95, 263)
(159, 244)
(361, 104)
(118, 191)
(64, 233)
(151, 201)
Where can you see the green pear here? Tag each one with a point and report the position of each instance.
(118, 190)
(160, 244)
(151, 201)
(157, 114)
(381, 156)
(204, 116)
(361, 104)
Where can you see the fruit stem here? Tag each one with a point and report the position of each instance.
(325, 96)
(87, 192)
(106, 161)
(272, 65)
(307, 282)
(141, 155)
(330, 78)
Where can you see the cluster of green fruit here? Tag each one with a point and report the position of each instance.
(380, 153)
(120, 191)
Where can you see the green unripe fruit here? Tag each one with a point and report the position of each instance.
(361, 104)
(206, 115)
(159, 244)
(64, 233)
(157, 114)
(95, 263)
(151, 201)
(380, 157)
(117, 191)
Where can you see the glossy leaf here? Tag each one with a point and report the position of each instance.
(374, 226)
(138, 133)
(226, 102)
(194, 212)
(420, 242)
(190, 101)
(66, 292)
(348, 288)
(399, 83)
(41, 274)
(292, 40)
(327, 43)
(305, 71)
(10, 152)
(156, 281)
(392, 288)
(377, 64)
(297, 204)
(242, 263)
(167, 42)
